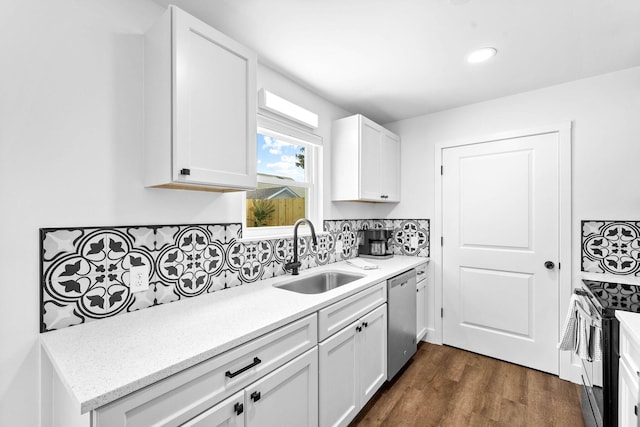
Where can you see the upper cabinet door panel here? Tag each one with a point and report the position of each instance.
(215, 97)
(390, 173)
(200, 107)
(365, 161)
(370, 160)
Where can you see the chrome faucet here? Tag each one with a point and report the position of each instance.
(294, 265)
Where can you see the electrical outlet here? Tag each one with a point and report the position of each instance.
(139, 278)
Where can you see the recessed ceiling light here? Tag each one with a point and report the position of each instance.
(481, 55)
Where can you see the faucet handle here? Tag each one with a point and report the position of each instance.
(292, 265)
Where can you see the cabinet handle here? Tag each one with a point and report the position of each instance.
(635, 409)
(359, 328)
(255, 396)
(239, 408)
(185, 171)
(230, 374)
(365, 324)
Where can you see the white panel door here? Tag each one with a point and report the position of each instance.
(372, 351)
(338, 381)
(500, 225)
(287, 397)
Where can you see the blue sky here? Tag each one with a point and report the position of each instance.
(276, 157)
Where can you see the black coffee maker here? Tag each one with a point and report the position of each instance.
(376, 243)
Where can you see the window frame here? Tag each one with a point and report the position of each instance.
(313, 172)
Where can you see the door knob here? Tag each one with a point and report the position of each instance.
(549, 265)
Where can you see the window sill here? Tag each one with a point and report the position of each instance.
(252, 237)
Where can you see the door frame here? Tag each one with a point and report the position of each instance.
(566, 369)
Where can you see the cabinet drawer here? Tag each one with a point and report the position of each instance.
(340, 314)
(421, 272)
(182, 396)
(629, 351)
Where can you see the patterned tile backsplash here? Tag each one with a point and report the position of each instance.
(85, 271)
(611, 247)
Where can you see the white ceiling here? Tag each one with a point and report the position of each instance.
(395, 59)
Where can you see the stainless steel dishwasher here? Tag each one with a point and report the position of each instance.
(401, 318)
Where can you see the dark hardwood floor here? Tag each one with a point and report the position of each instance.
(445, 386)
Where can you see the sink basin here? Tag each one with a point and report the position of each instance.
(319, 282)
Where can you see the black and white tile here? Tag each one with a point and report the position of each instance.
(85, 271)
(611, 247)
(410, 236)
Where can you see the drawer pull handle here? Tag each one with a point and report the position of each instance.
(359, 328)
(239, 408)
(230, 374)
(255, 396)
(365, 324)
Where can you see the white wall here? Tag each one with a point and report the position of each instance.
(605, 143)
(70, 154)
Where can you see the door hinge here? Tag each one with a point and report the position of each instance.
(441, 312)
(441, 240)
(441, 170)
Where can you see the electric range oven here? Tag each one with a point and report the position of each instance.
(599, 397)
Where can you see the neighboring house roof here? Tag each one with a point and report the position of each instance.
(273, 193)
(287, 178)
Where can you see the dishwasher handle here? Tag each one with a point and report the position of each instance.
(402, 279)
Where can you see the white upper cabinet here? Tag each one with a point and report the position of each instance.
(200, 107)
(365, 161)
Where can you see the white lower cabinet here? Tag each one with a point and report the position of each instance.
(283, 363)
(627, 397)
(287, 397)
(628, 381)
(353, 366)
(421, 302)
(229, 413)
(421, 311)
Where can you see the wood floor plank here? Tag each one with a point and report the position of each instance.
(445, 386)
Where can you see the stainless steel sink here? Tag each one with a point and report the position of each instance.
(318, 283)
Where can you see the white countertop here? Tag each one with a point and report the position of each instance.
(631, 322)
(103, 360)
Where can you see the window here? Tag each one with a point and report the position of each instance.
(287, 190)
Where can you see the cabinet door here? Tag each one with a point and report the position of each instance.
(370, 134)
(627, 397)
(287, 397)
(214, 92)
(338, 382)
(372, 353)
(389, 172)
(228, 413)
(421, 314)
